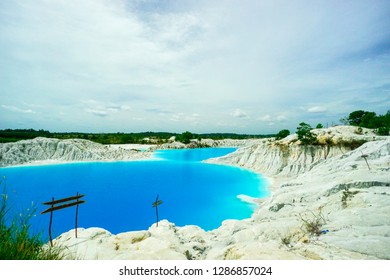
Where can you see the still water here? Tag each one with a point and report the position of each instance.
(119, 195)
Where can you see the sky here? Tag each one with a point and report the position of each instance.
(248, 66)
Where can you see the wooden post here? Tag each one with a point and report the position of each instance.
(156, 204)
(77, 213)
(50, 223)
(365, 158)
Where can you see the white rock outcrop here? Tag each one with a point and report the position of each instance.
(206, 143)
(327, 202)
(50, 150)
(287, 158)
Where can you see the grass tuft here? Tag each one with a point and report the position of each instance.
(313, 225)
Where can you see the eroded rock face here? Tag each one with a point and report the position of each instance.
(348, 199)
(287, 157)
(273, 158)
(54, 150)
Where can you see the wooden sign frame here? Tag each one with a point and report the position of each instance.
(61, 204)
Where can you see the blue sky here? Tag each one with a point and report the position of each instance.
(203, 66)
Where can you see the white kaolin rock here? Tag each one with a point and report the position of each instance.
(49, 150)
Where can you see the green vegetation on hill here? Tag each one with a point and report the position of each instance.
(282, 134)
(381, 123)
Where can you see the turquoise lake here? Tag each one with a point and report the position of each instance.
(119, 195)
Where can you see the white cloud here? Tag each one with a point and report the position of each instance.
(265, 118)
(205, 58)
(182, 117)
(281, 118)
(271, 121)
(317, 109)
(97, 112)
(18, 110)
(269, 118)
(101, 109)
(238, 113)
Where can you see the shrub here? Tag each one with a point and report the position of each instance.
(185, 137)
(282, 134)
(287, 239)
(383, 131)
(347, 196)
(305, 135)
(313, 226)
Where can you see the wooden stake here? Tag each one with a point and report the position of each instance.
(365, 158)
(50, 223)
(77, 212)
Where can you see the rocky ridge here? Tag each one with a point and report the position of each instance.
(329, 201)
(287, 157)
(43, 150)
(50, 150)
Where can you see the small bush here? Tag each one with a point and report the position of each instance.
(188, 255)
(305, 135)
(347, 196)
(383, 131)
(287, 240)
(282, 134)
(313, 226)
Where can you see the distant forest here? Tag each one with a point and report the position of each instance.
(13, 135)
(359, 118)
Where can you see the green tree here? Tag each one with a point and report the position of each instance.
(185, 137)
(319, 126)
(369, 120)
(155, 204)
(305, 135)
(282, 134)
(384, 131)
(383, 124)
(355, 118)
(362, 118)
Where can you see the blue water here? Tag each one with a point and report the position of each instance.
(119, 195)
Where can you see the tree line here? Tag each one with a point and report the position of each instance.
(13, 135)
(359, 118)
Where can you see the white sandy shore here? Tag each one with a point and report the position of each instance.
(136, 147)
